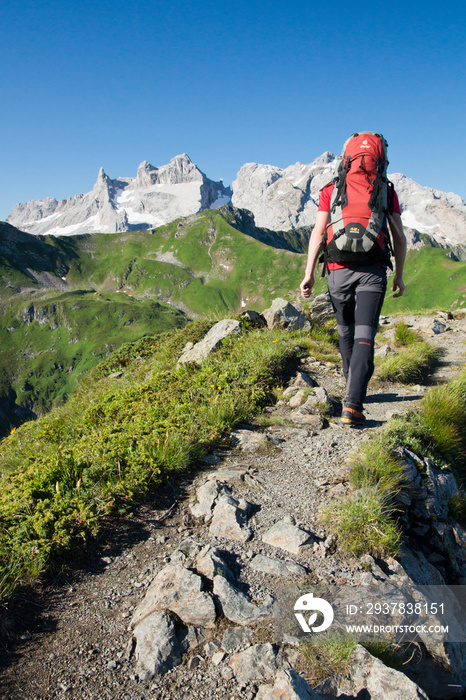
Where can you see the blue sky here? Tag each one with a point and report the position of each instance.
(110, 84)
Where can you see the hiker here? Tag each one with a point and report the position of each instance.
(351, 229)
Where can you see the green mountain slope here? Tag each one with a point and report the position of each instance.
(433, 281)
(48, 344)
(67, 302)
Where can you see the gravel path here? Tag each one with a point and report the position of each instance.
(70, 637)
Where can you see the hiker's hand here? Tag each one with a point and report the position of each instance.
(400, 285)
(307, 285)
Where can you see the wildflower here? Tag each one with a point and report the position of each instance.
(355, 517)
(212, 386)
(219, 387)
(14, 429)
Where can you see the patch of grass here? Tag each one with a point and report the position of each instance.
(322, 343)
(364, 523)
(457, 508)
(409, 364)
(376, 465)
(276, 420)
(327, 654)
(392, 654)
(443, 412)
(404, 335)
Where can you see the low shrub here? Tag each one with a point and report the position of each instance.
(327, 654)
(409, 364)
(363, 523)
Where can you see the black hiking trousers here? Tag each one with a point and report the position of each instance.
(357, 295)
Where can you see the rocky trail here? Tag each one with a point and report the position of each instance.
(217, 547)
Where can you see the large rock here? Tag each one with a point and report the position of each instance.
(210, 563)
(229, 519)
(282, 314)
(288, 686)
(259, 662)
(372, 676)
(211, 341)
(441, 487)
(236, 606)
(181, 591)
(287, 536)
(206, 497)
(159, 646)
(321, 309)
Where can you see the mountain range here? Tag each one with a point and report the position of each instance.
(279, 199)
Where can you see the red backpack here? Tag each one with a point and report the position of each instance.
(361, 201)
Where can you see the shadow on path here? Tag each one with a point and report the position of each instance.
(391, 398)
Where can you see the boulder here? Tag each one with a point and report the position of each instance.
(287, 536)
(211, 341)
(372, 676)
(229, 519)
(255, 318)
(282, 314)
(159, 646)
(236, 606)
(181, 591)
(288, 686)
(321, 309)
(210, 563)
(259, 662)
(206, 496)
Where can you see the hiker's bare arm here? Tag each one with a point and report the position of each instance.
(399, 252)
(315, 246)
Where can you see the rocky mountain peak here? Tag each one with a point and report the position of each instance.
(156, 196)
(279, 199)
(146, 174)
(103, 181)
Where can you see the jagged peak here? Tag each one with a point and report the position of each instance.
(145, 165)
(182, 157)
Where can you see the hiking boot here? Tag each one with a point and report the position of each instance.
(351, 417)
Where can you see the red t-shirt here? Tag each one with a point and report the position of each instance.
(324, 205)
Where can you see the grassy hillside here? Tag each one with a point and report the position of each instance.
(47, 344)
(201, 263)
(433, 281)
(118, 436)
(67, 302)
(91, 293)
